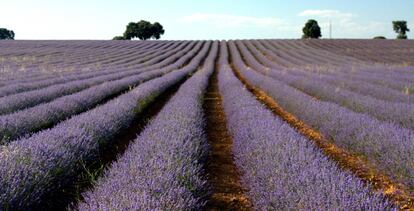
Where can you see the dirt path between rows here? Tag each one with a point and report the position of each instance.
(228, 193)
(71, 194)
(397, 193)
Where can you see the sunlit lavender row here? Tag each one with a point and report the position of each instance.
(390, 147)
(34, 168)
(125, 125)
(167, 157)
(282, 169)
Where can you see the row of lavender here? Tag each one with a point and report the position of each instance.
(327, 63)
(387, 145)
(43, 58)
(33, 168)
(33, 82)
(121, 59)
(162, 170)
(44, 115)
(282, 169)
(322, 87)
(381, 51)
(12, 103)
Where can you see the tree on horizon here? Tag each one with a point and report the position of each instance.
(401, 28)
(142, 30)
(6, 34)
(311, 30)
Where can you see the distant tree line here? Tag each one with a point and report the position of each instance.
(311, 30)
(142, 30)
(6, 34)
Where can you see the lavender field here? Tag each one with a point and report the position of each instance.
(197, 125)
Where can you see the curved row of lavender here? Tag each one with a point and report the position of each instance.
(95, 61)
(24, 99)
(385, 145)
(294, 57)
(57, 58)
(351, 77)
(17, 87)
(382, 51)
(121, 59)
(30, 120)
(162, 168)
(131, 60)
(362, 72)
(28, 99)
(282, 169)
(398, 113)
(66, 67)
(33, 168)
(342, 70)
(45, 59)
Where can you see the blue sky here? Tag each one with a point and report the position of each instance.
(202, 19)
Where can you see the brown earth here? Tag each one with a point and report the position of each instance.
(396, 192)
(228, 192)
(71, 194)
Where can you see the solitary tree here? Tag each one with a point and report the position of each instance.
(6, 34)
(143, 30)
(311, 29)
(401, 28)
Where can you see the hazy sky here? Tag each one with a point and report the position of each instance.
(203, 19)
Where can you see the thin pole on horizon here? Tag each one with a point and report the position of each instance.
(330, 29)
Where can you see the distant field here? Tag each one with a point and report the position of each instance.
(189, 125)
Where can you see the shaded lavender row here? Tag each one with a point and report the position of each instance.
(38, 74)
(374, 74)
(373, 90)
(344, 75)
(23, 100)
(35, 167)
(73, 67)
(306, 57)
(387, 146)
(398, 113)
(342, 71)
(162, 169)
(25, 86)
(33, 119)
(60, 59)
(282, 169)
(382, 51)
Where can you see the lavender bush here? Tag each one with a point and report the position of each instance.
(399, 113)
(33, 119)
(23, 100)
(17, 87)
(282, 169)
(34, 167)
(162, 169)
(387, 146)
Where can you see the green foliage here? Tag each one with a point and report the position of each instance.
(157, 30)
(119, 38)
(143, 30)
(402, 37)
(311, 30)
(6, 34)
(379, 38)
(401, 28)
